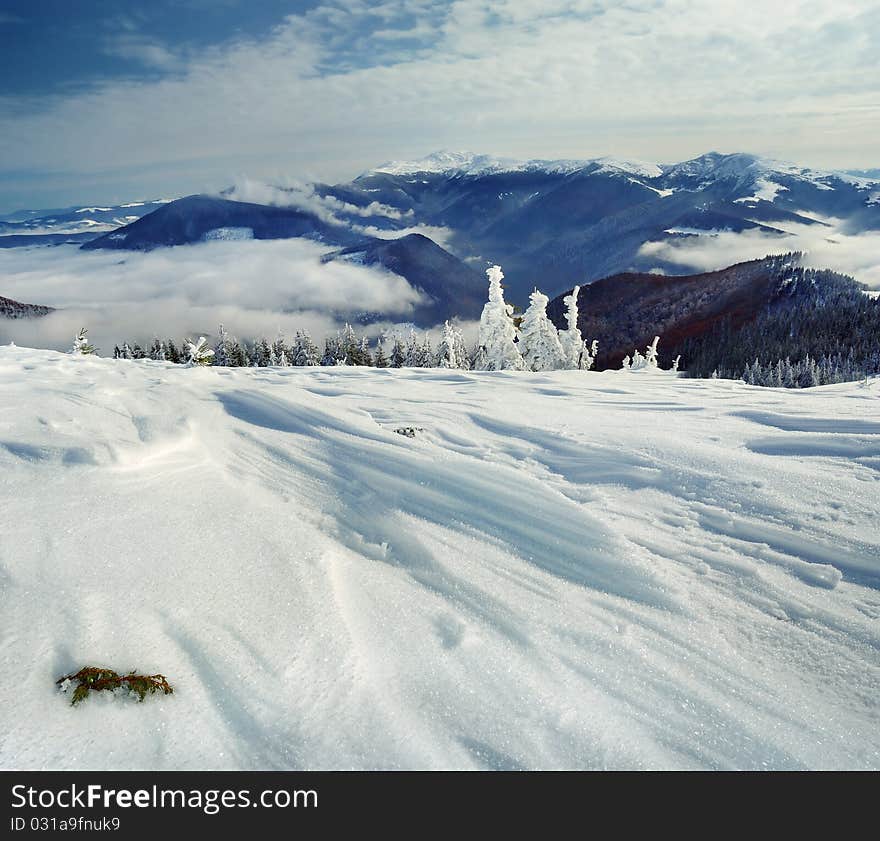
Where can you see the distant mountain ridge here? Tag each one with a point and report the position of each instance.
(549, 223)
(624, 312)
(15, 309)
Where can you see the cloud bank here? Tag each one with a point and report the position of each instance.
(254, 288)
(826, 246)
(337, 88)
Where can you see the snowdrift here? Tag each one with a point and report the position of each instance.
(561, 570)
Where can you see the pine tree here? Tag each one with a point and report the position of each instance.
(238, 356)
(380, 360)
(261, 353)
(425, 353)
(497, 330)
(412, 350)
(398, 353)
(222, 348)
(280, 350)
(305, 352)
(198, 353)
(572, 343)
(538, 339)
(172, 354)
(447, 352)
(651, 354)
(81, 346)
(330, 352)
(157, 350)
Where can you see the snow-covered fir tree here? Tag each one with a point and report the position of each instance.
(222, 348)
(570, 339)
(574, 347)
(538, 339)
(172, 354)
(279, 349)
(198, 353)
(238, 355)
(379, 358)
(497, 330)
(412, 350)
(157, 350)
(398, 354)
(425, 353)
(651, 354)
(451, 352)
(81, 346)
(261, 353)
(305, 352)
(331, 352)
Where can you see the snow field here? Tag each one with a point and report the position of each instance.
(563, 570)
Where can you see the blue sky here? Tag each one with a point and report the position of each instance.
(107, 101)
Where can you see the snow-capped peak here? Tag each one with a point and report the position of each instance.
(754, 168)
(468, 163)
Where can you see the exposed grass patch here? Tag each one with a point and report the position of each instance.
(98, 679)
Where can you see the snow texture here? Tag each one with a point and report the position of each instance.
(560, 570)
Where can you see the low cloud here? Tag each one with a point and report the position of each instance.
(826, 246)
(303, 197)
(254, 288)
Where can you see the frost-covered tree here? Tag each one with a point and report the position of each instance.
(497, 330)
(81, 346)
(126, 351)
(172, 354)
(446, 349)
(198, 353)
(570, 340)
(238, 355)
(651, 354)
(157, 350)
(305, 352)
(626, 364)
(538, 339)
(425, 353)
(588, 357)
(279, 349)
(331, 352)
(261, 353)
(412, 350)
(354, 350)
(137, 352)
(222, 348)
(398, 353)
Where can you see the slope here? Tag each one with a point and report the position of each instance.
(572, 570)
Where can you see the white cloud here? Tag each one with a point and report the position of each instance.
(826, 248)
(252, 287)
(292, 193)
(329, 93)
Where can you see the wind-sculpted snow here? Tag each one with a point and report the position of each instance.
(560, 570)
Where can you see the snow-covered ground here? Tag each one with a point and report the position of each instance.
(564, 570)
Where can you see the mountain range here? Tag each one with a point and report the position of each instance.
(440, 220)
